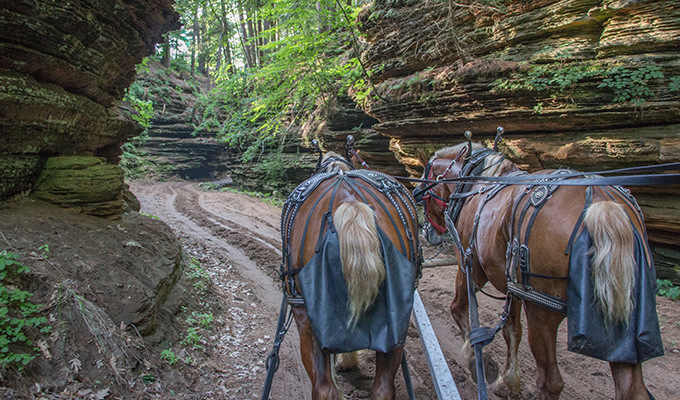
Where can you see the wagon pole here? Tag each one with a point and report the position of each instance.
(444, 384)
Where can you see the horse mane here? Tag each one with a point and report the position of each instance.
(493, 166)
(334, 165)
(497, 165)
(452, 151)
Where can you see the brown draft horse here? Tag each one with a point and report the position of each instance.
(358, 209)
(609, 224)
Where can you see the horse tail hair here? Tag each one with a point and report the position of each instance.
(361, 255)
(612, 259)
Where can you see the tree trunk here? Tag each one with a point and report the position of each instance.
(251, 37)
(224, 20)
(201, 54)
(194, 43)
(207, 75)
(267, 37)
(165, 55)
(227, 57)
(260, 42)
(244, 37)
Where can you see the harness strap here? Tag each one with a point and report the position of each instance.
(350, 150)
(382, 205)
(272, 363)
(290, 271)
(470, 168)
(588, 202)
(407, 378)
(540, 298)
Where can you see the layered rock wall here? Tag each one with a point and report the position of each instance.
(584, 84)
(64, 67)
(174, 146)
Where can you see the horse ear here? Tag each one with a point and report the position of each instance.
(422, 158)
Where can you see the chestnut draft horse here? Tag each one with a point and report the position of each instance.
(351, 259)
(523, 253)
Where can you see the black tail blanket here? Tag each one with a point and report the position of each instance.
(635, 342)
(383, 327)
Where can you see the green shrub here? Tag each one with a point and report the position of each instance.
(626, 83)
(667, 289)
(19, 319)
(631, 84)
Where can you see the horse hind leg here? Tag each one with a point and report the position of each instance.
(542, 325)
(508, 383)
(386, 367)
(628, 381)
(318, 364)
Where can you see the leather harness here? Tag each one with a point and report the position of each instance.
(359, 180)
(518, 265)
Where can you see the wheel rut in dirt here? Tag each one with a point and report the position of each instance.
(258, 248)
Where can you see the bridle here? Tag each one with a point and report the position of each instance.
(428, 194)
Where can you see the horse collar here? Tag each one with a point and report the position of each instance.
(469, 169)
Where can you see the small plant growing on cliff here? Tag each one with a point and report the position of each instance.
(547, 77)
(667, 289)
(627, 84)
(631, 84)
(143, 108)
(18, 316)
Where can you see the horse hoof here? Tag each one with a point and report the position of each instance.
(347, 361)
(490, 368)
(344, 368)
(501, 389)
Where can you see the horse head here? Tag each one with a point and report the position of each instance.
(435, 196)
(333, 162)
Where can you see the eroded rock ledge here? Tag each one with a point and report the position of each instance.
(584, 84)
(64, 66)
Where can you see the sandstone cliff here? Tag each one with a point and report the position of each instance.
(64, 67)
(174, 145)
(585, 84)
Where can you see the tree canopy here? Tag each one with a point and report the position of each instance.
(269, 63)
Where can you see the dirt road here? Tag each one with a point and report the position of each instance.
(237, 238)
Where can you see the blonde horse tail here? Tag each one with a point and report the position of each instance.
(612, 259)
(361, 255)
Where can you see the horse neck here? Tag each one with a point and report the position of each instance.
(505, 167)
(337, 166)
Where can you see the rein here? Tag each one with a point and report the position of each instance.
(350, 152)
(587, 178)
